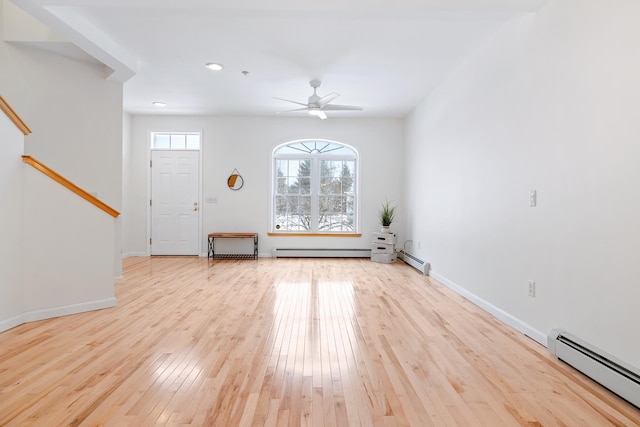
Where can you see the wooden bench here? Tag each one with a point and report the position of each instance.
(212, 252)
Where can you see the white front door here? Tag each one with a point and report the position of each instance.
(174, 202)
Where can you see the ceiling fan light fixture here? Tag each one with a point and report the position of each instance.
(214, 66)
(315, 111)
(159, 103)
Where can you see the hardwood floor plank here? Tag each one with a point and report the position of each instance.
(289, 342)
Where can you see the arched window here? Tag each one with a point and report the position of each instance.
(314, 188)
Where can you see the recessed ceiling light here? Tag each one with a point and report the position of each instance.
(214, 66)
(159, 104)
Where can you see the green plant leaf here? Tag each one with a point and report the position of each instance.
(387, 214)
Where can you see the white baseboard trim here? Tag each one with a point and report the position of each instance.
(507, 318)
(49, 313)
(134, 254)
(65, 310)
(118, 280)
(11, 322)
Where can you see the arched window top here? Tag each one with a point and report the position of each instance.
(315, 147)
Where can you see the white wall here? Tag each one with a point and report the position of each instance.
(76, 119)
(68, 251)
(246, 144)
(11, 189)
(126, 184)
(74, 112)
(550, 103)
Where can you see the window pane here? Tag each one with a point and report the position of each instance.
(325, 185)
(304, 213)
(178, 142)
(292, 168)
(193, 142)
(280, 214)
(281, 168)
(281, 185)
(304, 176)
(160, 141)
(292, 185)
(305, 185)
(347, 176)
(294, 217)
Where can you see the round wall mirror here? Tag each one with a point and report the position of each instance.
(235, 181)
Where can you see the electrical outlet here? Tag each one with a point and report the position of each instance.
(532, 289)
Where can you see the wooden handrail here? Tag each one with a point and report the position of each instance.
(70, 185)
(13, 116)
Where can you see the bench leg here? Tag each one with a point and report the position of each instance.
(210, 253)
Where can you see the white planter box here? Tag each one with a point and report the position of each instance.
(384, 258)
(388, 238)
(382, 248)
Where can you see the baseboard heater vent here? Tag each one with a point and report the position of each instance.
(620, 378)
(321, 253)
(414, 261)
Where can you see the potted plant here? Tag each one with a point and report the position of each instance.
(387, 214)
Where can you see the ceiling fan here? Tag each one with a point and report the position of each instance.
(317, 105)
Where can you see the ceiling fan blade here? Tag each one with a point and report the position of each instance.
(288, 100)
(334, 107)
(327, 99)
(322, 115)
(295, 109)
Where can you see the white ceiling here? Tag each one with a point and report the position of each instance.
(383, 55)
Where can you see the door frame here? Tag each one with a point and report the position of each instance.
(201, 252)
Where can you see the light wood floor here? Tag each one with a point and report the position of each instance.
(289, 342)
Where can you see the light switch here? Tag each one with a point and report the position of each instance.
(211, 200)
(533, 198)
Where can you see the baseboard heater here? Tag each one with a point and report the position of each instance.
(620, 378)
(321, 253)
(414, 261)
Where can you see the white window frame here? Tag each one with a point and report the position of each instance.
(315, 158)
(170, 133)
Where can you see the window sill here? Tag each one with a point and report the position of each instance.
(316, 234)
